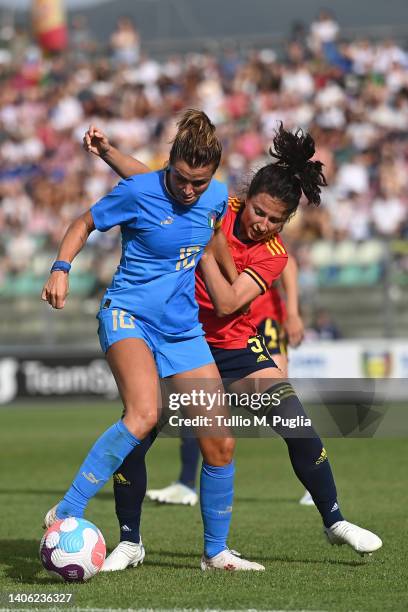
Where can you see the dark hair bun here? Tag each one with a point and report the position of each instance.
(293, 152)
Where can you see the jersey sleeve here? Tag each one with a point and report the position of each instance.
(221, 214)
(268, 265)
(116, 208)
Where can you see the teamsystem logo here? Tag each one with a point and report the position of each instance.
(52, 378)
(8, 379)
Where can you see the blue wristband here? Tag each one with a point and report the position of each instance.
(64, 266)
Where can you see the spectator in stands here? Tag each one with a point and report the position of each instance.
(125, 42)
(358, 115)
(389, 214)
(324, 328)
(323, 33)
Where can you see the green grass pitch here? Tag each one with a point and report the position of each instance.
(41, 447)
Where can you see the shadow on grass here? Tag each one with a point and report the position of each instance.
(58, 493)
(237, 499)
(322, 561)
(265, 500)
(22, 565)
(172, 565)
(21, 561)
(272, 558)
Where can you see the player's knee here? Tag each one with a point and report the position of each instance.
(218, 452)
(227, 450)
(140, 423)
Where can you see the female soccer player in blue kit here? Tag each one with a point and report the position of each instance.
(251, 228)
(148, 320)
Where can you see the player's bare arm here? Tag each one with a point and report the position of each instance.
(218, 247)
(226, 297)
(95, 141)
(55, 290)
(293, 324)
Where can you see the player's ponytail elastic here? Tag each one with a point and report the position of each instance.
(196, 142)
(292, 173)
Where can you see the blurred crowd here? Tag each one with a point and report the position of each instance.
(351, 95)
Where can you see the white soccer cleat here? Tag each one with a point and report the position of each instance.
(126, 554)
(51, 517)
(176, 493)
(361, 540)
(229, 561)
(306, 499)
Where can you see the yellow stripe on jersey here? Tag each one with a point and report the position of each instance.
(271, 248)
(235, 208)
(234, 200)
(234, 203)
(275, 247)
(279, 246)
(258, 279)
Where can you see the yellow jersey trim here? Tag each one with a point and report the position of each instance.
(279, 246)
(234, 203)
(258, 279)
(275, 247)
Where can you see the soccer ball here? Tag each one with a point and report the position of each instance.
(73, 549)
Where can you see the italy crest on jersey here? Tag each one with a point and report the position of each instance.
(212, 219)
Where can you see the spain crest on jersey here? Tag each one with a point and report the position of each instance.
(212, 219)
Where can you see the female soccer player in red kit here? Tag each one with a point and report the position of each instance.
(252, 229)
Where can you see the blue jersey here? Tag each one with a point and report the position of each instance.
(162, 242)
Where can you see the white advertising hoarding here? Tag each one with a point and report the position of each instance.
(350, 359)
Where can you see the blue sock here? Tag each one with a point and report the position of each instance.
(189, 455)
(103, 459)
(216, 496)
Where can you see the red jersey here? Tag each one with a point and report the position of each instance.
(262, 261)
(269, 305)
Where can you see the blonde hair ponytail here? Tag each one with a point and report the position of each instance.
(196, 142)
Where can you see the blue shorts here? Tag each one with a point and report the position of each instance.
(239, 363)
(172, 353)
